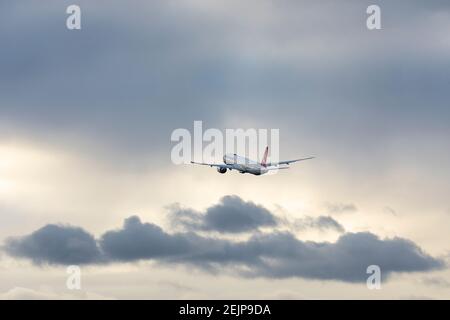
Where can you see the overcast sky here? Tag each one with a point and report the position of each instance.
(86, 176)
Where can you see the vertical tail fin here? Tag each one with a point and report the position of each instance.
(264, 159)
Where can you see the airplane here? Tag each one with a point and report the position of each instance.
(245, 165)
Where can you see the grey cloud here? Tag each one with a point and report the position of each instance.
(271, 255)
(176, 286)
(347, 259)
(57, 244)
(138, 240)
(436, 282)
(321, 223)
(390, 211)
(232, 215)
(341, 207)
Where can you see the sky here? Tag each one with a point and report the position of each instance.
(86, 176)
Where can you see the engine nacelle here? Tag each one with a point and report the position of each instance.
(221, 170)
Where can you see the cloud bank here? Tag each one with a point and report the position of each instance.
(271, 254)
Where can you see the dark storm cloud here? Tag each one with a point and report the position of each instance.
(232, 215)
(138, 70)
(272, 255)
(55, 244)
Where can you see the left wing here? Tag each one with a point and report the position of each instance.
(228, 166)
(288, 161)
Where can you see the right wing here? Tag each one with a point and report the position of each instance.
(288, 161)
(228, 166)
(277, 168)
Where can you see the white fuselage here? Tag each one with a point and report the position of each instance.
(244, 165)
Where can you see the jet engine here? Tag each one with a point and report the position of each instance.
(221, 170)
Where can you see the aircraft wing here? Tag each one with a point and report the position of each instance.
(228, 166)
(288, 161)
(277, 168)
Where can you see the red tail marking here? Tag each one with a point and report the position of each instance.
(264, 159)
